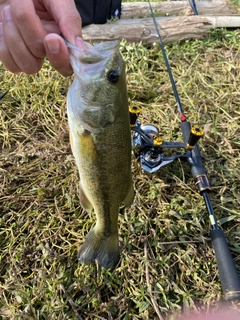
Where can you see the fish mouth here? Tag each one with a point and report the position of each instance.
(91, 54)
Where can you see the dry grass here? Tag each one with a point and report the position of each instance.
(167, 266)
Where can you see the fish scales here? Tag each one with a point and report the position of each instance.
(100, 137)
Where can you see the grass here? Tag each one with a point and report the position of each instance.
(235, 5)
(167, 262)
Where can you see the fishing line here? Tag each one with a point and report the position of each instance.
(179, 105)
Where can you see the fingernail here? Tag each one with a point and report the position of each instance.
(80, 43)
(65, 72)
(7, 14)
(53, 45)
(1, 28)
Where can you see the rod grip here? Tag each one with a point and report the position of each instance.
(229, 275)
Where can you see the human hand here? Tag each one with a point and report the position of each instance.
(30, 30)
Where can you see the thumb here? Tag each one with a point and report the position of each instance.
(67, 18)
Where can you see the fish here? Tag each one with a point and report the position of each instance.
(100, 138)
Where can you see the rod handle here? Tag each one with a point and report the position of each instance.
(229, 275)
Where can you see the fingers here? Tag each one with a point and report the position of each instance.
(67, 18)
(5, 56)
(69, 21)
(13, 51)
(29, 25)
(58, 54)
(30, 30)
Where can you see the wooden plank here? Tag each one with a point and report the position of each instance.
(172, 28)
(131, 10)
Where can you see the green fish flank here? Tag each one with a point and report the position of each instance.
(98, 116)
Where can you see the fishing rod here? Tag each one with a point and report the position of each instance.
(149, 148)
(193, 5)
(3, 94)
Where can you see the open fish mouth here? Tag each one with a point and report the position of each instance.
(91, 55)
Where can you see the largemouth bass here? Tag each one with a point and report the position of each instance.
(98, 116)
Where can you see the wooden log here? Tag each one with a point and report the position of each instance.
(131, 10)
(171, 28)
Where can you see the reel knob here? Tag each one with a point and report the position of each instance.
(195, 134)
(157, 141)
(134, 112)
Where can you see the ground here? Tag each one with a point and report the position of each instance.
(167, 262)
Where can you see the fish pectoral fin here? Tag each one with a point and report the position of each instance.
(85, 203)
(130, 197)
(101, 248)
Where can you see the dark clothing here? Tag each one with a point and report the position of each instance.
(98, 11)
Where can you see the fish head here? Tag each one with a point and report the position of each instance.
(99, 82)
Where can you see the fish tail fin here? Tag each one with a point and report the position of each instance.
(101, 248)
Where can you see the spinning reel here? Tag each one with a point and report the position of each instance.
(148, 148)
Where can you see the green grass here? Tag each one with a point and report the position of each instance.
(235, 5)
(167, 261)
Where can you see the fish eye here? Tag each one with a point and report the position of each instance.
(113, 76)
